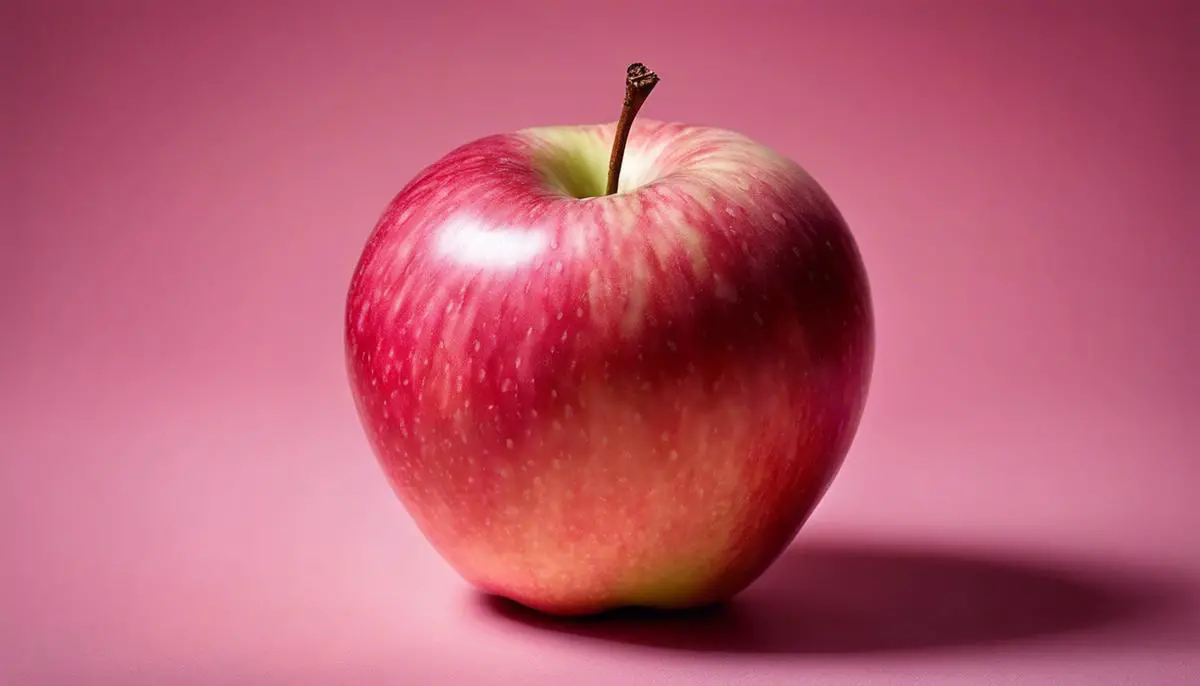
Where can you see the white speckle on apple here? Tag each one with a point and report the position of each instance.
(725, 291)
(673, 455)
(508, 443)
(779, 218)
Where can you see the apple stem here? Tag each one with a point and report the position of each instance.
(639, 81)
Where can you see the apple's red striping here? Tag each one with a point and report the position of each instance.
(559, 387)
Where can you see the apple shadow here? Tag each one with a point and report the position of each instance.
(839, 598)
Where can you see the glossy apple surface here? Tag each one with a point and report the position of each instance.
(632, 399)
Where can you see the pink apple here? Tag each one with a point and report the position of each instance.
(590, 400)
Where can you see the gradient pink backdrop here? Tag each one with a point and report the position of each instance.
(186, 496)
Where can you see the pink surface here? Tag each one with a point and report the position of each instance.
(186, 496)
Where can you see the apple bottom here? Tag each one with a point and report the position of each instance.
(642, 572)
(666, 501)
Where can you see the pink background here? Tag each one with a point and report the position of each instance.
(186, 496)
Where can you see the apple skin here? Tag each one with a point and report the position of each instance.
(636, 399)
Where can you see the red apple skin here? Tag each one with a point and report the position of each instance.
(628, 400)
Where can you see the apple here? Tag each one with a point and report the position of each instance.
(592, 388)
